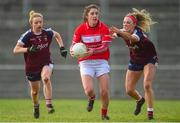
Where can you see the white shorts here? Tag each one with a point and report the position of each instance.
(94, 68)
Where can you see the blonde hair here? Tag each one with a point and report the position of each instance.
(144, 20)
(87, 9)
(33, 14)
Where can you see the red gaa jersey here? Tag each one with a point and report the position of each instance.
(93, 37)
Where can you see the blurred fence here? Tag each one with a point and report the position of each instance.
(63, 16)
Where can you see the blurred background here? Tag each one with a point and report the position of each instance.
(63, 16)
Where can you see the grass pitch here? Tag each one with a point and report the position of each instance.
(73, 110)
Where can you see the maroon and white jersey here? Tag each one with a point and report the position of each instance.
(143, 50)
(35, 61)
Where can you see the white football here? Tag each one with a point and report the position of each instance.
(79, 49)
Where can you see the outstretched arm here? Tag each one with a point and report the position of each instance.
(125, 35)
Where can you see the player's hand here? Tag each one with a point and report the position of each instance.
(80, 56)
(115, 32)
(72, 53)
(63, 52)
(32, 49)
(114, 29)
(88, 53)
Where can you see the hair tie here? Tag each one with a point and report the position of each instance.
(132, 18)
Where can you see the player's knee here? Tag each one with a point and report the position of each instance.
(129, 91)
(45, 79)
(88, 91)
(34, 92)
(147, 86)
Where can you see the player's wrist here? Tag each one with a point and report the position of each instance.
(119, 33)
(27, 49)
(32, 49)
(63, 51)
(93, 51)
(62, 48)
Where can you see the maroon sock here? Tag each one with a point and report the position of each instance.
(103, 112)
(49, 103)
(92, 97)
(150, 113)
(36, 106)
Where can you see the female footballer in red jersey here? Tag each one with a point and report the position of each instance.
(143, 57)
(35, 44)
(95, 35)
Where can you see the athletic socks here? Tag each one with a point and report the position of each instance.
(103, 112)
(104, 115)
(150, 113)
(36, 111)
(50, 106)
(48, 101)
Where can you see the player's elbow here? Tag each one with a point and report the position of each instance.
(15, 50)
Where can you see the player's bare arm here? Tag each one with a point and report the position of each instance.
(101, 49)
(123, 34)
(58, 39)
(19, 48)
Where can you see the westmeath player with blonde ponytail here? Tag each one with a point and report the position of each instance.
(144, 20)
(35, 44)
(143, 56)
(33, 14)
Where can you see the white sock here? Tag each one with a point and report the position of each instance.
(150, 109)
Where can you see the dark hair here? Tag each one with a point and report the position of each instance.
(87, 9)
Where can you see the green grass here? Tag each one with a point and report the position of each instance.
(20, 110)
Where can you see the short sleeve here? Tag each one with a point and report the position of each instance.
(77, 35)
(138, 34)
(24, 37)
(50, 32)
(106, 34)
